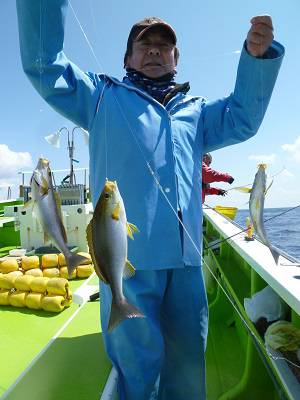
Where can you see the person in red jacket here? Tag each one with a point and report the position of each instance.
(209, 175)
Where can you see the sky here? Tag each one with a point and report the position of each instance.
(210, 36)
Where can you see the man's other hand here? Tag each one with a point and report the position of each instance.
(260, 35)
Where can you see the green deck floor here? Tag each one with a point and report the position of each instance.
(73, 367)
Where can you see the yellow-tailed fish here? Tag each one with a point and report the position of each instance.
(46, 204)
(107, 238)
(242, 189)
(256, 208)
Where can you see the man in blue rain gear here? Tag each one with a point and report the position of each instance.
(152, 135)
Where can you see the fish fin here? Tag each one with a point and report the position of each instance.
(275, 254)
(58, 203)
(120, 311)
(131, 228)
(46, 238)
(58, 206)
(73, 260)
(129, 270)
(266, 191)
(44, 188)
(257, 204)
(89, 238)
(63, 231)
(116, 212)
(36, 176)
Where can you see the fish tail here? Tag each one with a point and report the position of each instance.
(275, 254)
(120, 311)
(73, 260)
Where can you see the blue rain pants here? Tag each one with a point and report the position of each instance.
(169, 342)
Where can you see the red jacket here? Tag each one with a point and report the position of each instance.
(209, 175)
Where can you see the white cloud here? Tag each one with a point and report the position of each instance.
(263, 158)
(11, 162)
(293, 149)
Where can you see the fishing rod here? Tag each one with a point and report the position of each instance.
(245, 189)
(284, 212)
(245, 230)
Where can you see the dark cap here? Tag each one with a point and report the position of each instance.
(143, 26)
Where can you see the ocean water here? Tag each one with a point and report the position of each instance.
(283, 229)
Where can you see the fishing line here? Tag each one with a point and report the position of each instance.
(162, 191)
(284, 212)
(245, 230)
(85, 36)
(40, 53)
(105, 141)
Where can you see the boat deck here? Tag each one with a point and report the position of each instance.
(52, 356)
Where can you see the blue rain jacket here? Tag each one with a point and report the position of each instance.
(154, 152)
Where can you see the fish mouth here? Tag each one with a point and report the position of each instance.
(43, 162)
(262, 166)
(110, 186)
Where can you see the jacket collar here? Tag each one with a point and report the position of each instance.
(173, 102)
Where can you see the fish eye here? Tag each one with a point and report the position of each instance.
(106, 195)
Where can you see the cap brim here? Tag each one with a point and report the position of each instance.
(161, 25)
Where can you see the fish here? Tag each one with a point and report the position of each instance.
(107, 239)
(256, 208)
(46, 205)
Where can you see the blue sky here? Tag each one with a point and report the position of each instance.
(210, 35)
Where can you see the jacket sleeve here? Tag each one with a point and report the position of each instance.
(62, 84)
(237, 117)
(212, 190)
(209, 175)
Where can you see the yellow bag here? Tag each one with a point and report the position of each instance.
(34, 301)
(63, 272)
(61, 260)
(84, 271)
(51, 272)
(17, 299)
(23, 282)
(36, 272)
(7, 281)
(4, 297)
(9, 265)
(30, 262)
(86, 255)
(15, 274)
(58, 286)
(49, 260)
(39, 285)
(53, 303)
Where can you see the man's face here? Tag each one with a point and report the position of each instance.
(153, 55)
(207, 160)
